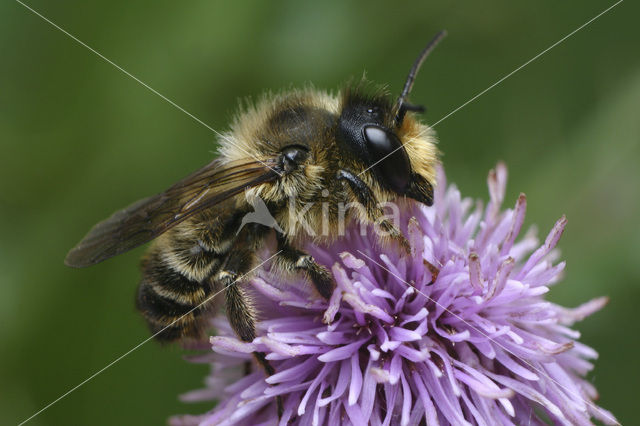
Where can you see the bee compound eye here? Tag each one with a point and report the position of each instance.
(388, 155)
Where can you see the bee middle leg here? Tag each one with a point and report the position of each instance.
(292, 259)
(375, 213)
(240, 311)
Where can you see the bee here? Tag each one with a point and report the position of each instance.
(359, 146)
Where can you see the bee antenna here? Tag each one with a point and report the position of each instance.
(408, 85)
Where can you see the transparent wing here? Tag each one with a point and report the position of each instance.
(145, 219)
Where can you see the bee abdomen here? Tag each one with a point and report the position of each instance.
(174, 306)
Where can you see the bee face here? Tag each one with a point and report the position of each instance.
(365, 128)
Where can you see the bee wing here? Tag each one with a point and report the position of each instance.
(145, 219)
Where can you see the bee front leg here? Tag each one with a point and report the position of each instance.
(292, 259)
(375, 214)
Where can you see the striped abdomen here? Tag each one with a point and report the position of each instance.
(176, 280)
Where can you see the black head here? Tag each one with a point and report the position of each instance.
(369, 127)
(365, 127)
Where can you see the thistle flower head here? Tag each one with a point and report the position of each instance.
(457, 332)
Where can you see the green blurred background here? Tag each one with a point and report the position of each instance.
(80, 139)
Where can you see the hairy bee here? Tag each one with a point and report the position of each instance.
(356, 147)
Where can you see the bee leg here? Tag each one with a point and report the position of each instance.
(375, 213)
(240, 311)
(291, 259)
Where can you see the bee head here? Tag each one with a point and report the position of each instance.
(375, 130)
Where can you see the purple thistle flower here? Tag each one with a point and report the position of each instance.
(457, 333)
